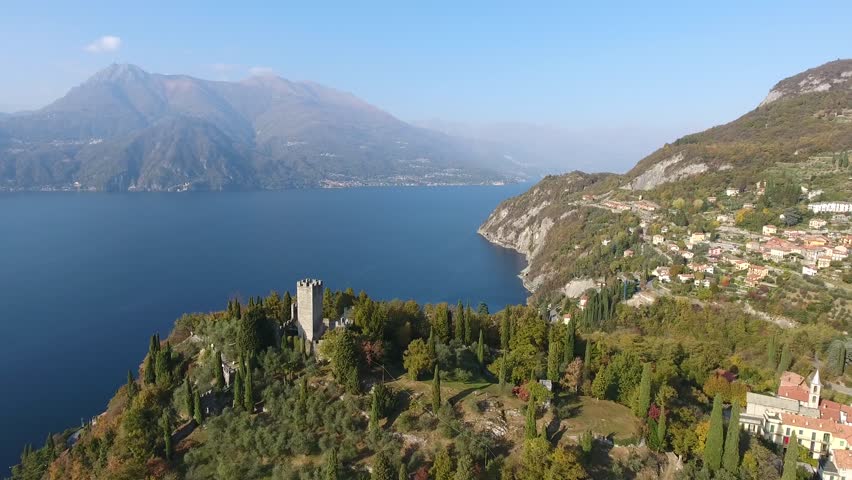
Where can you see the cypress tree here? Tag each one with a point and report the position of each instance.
(167, 441)
(287, 305)
(237, 308)
(786, 359)
(248, 403)
(382, 468)
(643, 400)
(436, 391)
(332, 466)
(403, 471)
(531, 430)
(189, 400)
(570, 340)
(771, 353)
(468, 325)
(502, 376)
(587, 361)
(791, 458)
(661, 428)
(238, 389)
(148, 370)
(442, 467)
(162, 373)
(154, 347)
(480, 351)
(458, 322)
(715, 437)
(220, 375)
(197, 414)
(374, 412)
(431, 342)
(131, 385)
(731, 457)
(554, 357)
(505, 327)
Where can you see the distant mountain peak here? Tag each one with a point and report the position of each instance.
(120, 72)
(830, 76)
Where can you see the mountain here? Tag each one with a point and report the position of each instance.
(127, 129)
(791, 136)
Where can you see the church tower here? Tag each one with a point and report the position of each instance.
(814, 391)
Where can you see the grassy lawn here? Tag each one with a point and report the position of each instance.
(601, 417)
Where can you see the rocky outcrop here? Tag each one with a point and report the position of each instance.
(669, 170)
(831, 76)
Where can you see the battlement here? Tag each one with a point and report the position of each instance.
(309, 282)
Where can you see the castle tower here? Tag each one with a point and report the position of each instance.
(815, 391)
(309, 309)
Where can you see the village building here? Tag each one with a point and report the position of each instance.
(646, 205)
(685, 277)
(830, 207)
(760, 271)
(663, 273)
(753, 280)
(722, 218)
(815, 240)
(584, 299)
(687, 255)
(732, 192)
(616, 205)
(821, 426)
(711, 199)
(752, 246)
(808, 271)
(714, 251)
(605, 242)
(817, 223)
(628, 253)
(824, 262)
(698, 237)
(740, 264)
(664, 229)
(658, 240)
(838, 466)
(770, 230)
(748, 206)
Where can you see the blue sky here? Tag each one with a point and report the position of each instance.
(664, 68)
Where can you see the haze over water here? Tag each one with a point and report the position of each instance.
(85, 279)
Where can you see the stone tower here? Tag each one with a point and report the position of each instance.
(309, 309)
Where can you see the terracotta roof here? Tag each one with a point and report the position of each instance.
(842, 459)
(791, 379)
(796, 393)
(827, 426)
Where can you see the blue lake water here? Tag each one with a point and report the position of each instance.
(85, 279)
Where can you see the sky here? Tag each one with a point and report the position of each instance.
(656, 69)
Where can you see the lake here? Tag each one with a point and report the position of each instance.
(86, 278)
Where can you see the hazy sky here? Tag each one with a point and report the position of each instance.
(668, 68)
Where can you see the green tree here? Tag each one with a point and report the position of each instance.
(587, 361)
(248, 387)
(331, 471)
(382, 468)
(661, 428)
(167, 440)
(417, 359)
(375, 414)
(643, 399)
(403, 471)
(715, 437)
(189, 399)
(441, 322)
(436, 390)
(731, 456)
(791, 458)
(482, 309)
(531, 430)
(131, 385)
(505, 330)
(464, 468)
(287, 306)
(340, 347)
(468, 325)
(564, 465)
(238, 389)
(771, 353)
(220, 374)
(442, 467)
(554, 359)
(458, 322)
(249, 332)
(480, 351)
(570, 340)
(150, 375)
(197, 414)
(786, 360)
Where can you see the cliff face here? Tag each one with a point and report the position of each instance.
(523, 223)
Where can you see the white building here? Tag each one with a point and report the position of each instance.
(832, 207)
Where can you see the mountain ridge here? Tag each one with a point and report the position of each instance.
(264, 132)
